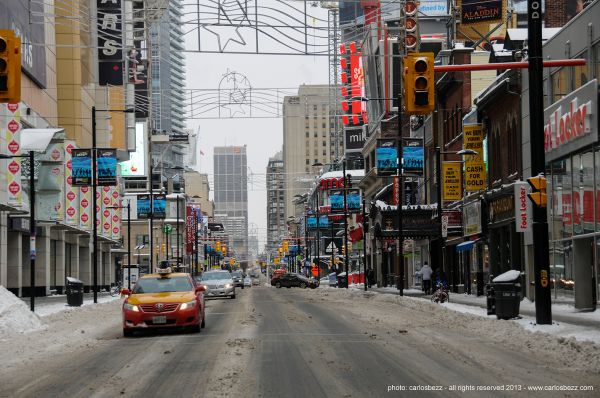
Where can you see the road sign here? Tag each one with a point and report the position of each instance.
(168, 229)
(333, 245)
(444, 226)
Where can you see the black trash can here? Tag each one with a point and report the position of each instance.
(507, 294)
(74, 292)
(341, 280)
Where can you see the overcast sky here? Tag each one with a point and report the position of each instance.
(263, 137)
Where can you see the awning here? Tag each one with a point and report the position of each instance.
(463, 247)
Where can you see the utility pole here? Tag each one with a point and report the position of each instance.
(400, 249)
(345, 220)
(541, 259)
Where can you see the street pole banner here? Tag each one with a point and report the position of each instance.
(159, 204)
(143, 206)
(473, 139)
(451, 181)
(475, 176)
(333, 245)
(11, 126)
(353, 200)
(189, 230)
(336, 200)
(323, 221)
(413, 156)
(116, 213)
(105, 212)
(523, 216)
(311, 222)
(475, 168)
(386, 155)
(107, 167)
(71, 193)
(81, 167)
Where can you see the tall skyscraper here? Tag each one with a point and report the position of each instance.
(276, 226)
(231, 196)
(306, 139)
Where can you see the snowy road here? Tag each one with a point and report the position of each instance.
(293, 343)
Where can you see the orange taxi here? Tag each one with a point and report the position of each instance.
(164, 300)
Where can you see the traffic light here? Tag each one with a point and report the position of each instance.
(224, 250)
(343, 250)
(419, 83)
(538, 190)
(163, 248)
(10, 67)
(348, 182)
(286, 246)
(218, 246)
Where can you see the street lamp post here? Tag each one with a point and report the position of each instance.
(345, 220)
(95, 199)
(317, 262)
(128, 207)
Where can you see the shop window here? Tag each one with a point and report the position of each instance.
(583, 193)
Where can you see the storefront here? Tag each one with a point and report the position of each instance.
(573, 160)
(473, 261)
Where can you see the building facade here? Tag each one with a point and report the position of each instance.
(231, 197)
(276, 221)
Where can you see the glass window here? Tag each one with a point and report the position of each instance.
(560, 84)
(580, 73)
(583, 193)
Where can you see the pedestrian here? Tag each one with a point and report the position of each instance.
(371, 277)
(426, 272)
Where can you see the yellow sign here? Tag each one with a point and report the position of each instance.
(451, 176)
(544, 278)
(231, 261)
(475, 175)
(473, 139)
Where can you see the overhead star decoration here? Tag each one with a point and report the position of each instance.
(234, 15)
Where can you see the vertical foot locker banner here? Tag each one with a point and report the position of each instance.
(105, 212)
(10, 128)
(71, 192)
(115, 200)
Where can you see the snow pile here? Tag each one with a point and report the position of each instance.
(15, 316)
(508, 276)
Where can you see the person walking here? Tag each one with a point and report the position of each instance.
(371, 277)
(426, 273)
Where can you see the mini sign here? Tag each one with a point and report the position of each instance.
(452, 181)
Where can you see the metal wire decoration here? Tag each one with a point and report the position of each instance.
(256, 27)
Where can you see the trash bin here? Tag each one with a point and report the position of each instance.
(507, 294)
(341, 280)
(74, 292)
(332, 279)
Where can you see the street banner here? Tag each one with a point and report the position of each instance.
(107, 167)
(386, 155)
(311, 222)
(413, 156)
(116, 213)
(336, 200)
(85, 208)
(159, 205)
(71, 192)
(475, 175)
(353, 200)
(472, 218)
(451, 181)
(104, 216)
(190, 228)
(11, 130)
(333, 245)
(474, 11)
(323, 221)
(81, 167)
(143, 206)
(523, 216)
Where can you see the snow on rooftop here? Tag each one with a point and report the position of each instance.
(340, 174)
(15, 316)
(381, 205)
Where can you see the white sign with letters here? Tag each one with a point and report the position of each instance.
(523, 217)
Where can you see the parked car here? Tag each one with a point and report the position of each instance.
(164, 300)
(247, 282)
(293, 280)
(238, 278)
(218, 284)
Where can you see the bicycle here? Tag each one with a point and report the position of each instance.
(441, 294)
(116, 289)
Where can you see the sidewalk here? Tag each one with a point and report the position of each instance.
(560, 312)
(48, 305)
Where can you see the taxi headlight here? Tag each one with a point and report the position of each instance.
(131, 307)
(228, 285)
(189, 304)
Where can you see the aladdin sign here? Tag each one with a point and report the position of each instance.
(570, 124)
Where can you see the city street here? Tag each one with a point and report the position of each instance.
(296, 343)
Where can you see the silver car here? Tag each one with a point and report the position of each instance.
(218, 284)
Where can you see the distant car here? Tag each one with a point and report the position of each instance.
(247, 281)
(218, 284)
(293, 280)
(238, 278)
(164, 300)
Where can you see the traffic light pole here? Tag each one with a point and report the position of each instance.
(400, 250)
(541, 260)
(345, 220)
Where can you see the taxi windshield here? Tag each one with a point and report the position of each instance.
(161, 285)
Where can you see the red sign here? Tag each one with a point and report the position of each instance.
(70, 180)
(106, 201)
(69, 164)
(106, 188)
(331, 183)
(106, 213)
(84, 203)
(71, 195)
(84, 189)
(13, 146)
(71, 211)
(14, 188)
(115, 195)
(13, 126)
(191, 228)
(84, 217)
(14, 167)
(107, 226)
(12, 107)
(116, 230)
(115, 218)
(70, 148)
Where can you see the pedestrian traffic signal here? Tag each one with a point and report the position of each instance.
(348, 181)
(538, 190)
(419, 83)
(218, 246)
(10, 67)
(163, 248)
(224, 250)
(343, 250)
(285, 246)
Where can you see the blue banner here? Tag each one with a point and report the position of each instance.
(107, 167)
(159, 204)
(336, 200)
(81, 167)
(143, 206)
(386, 155)
(413, 156)
(311, 222)
(353, 200)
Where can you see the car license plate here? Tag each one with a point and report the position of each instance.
(159, 319)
